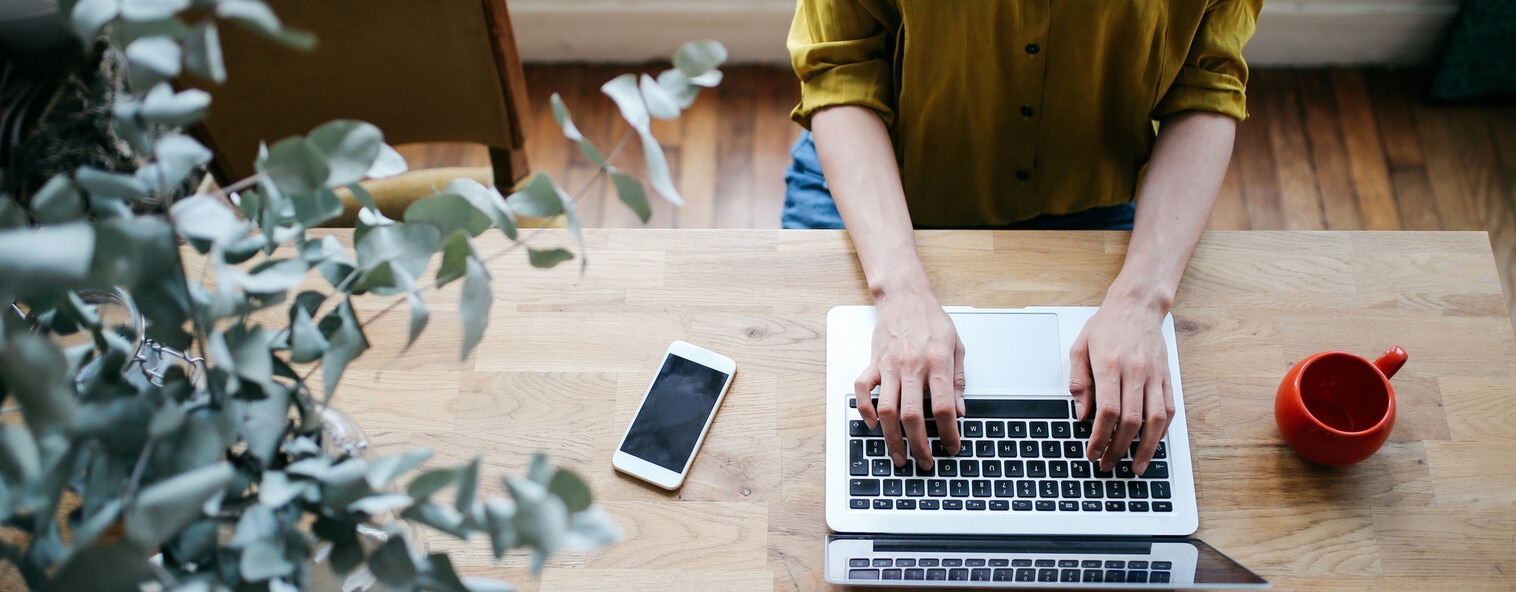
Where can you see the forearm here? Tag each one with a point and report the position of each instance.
(859, 161)
(1183, 177)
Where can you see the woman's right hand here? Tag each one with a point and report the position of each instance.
(916, 350)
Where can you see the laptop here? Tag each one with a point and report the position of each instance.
(1019, 506)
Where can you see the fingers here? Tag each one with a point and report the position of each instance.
(890, 393)
(1130, 418)
(862, 389)
(1158, 414)
(913, 419)
(960, 383)
(1107, 411)
(1081, 381)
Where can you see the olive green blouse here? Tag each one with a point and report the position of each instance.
(1002, 110)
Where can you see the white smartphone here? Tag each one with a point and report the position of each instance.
(660, 444)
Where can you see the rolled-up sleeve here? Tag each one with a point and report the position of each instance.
(1214, 76)
(841, 52)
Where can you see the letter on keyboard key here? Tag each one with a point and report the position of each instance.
(936, 487)
(973, 429)
(984, 448)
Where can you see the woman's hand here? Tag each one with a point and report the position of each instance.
(915, 350)
(1119, 367)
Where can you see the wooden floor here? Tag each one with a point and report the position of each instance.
(1346, 149)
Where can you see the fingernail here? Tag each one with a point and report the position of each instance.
(898, 458)
(923, 464)
(1078, 410)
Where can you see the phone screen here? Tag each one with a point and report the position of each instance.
(671, 419)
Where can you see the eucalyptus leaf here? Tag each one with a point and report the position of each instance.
(253, 13)
(456, 252)
(547, 258)
(130, 127)
(151, 10)
(202, 52)
(176, 156)
(123, 32)
(629, 189)
(392, 565)
(375, 279)
(448, 212)
(440, 575)
(91, 527)
(206, 217)
(111, 566)
(108, 184)
(388, 164)
(364, 198)
(254, 363)
(561, 116)
(571, 489)
(475, 305)
(20, 461)
(344, 483)
(295, 166)
(11, 214)
(45, 260)
(88, 16)
(350, 148)
(346, 343)
(263, 560)
(708, 79)
(163, 106)
(375, 505)
(419, 317)
(698, 57)
(257, 523)
(538, 470)
(36, 373)
(58, 201)
(623, 90)
(678, 87)
(487, 200)
(474, 584)
(409, 245)
(498, 524)
(316, 208)
(538, 199)
(384, 470)
(658, 170)
(660, 104)
(438, 516)
(430, 482)
(278, 275)
(162, 508)
(306, 342)
(265, 421)
(468, 483)
(591, 528)
(276, 489)
(151, 60)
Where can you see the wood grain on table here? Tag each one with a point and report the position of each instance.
(567, 357)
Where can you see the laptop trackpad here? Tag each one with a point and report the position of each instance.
(1011, 352)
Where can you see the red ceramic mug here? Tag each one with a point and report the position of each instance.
(1335, 408)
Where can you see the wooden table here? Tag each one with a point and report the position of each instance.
(566, 359)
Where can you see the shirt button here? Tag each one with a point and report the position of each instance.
(1032, 48)
(1022, 175)
(1027, 111)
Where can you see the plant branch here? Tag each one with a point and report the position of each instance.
(227, 191)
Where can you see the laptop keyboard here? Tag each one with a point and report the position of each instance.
(1018, 455)
(980, 569)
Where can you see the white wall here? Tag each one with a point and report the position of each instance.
(1301, 32)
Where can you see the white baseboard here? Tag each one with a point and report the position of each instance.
(1300, 33)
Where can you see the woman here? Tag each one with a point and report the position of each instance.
(1110, 114)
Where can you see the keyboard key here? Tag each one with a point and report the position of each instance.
(1160, 489)
(1017, 408)
(1113, 506)
(931, 429)
(1026, 574)
(882, 504)
(1015, 468)
(973, 563)
(1137, 506)
(1005, 489)
(965, 449)
(947, 468)
(915, 487)
(928, 504)
(905, 562)
(858, 504)
(1052, 449)
(1163, 507)
(1115, 564)
(973, 429)
(979, 575)
(1036, 468)
(882, 467)
(1048, 488)
(937, 450)
(852, 402)
(981, 487)
(1124, 470)
(1070, 489)
(1039, 429)
(1058, 469)
(1090, 564)
(1045, 505)
(1115, 490)
(1102, 473)
(936, 487)
(1026, 488)
(915, 574)
(1047, 575)
(928, 563)
(893, 488)
(952, 563)
(994, 429)
(1163, 565)
(968, 468)
(958, 575)
(1090, 506)
(974, 504)
(1068, 575)
(1083, 429)
(1114, 575)
(1000, 563)
(905, 504)
(1073, 449)
(958, 488)
(857, 487)
(863, 574)
(858, 562)
(1062, 430)
(1028, 449)
(1163, 450)
(892, 574)
(1137, 490)
(1015, 429)
(1079, 469)
(1138, 577)
(1156, 470)
(1005, 449)
(1002, 575)
(906, 469)
(952, 504)
(991, 468)
(999, 505)
(1136, 565)
(1068, 506)
(884, 562)
(1021, 563)
(984, 448)
(856, 427)
(936, 574)
(1158, 577)
(859, 468)
(874, 447)
(1021, 505)
(1094, 575)
(855, 449)
(1092, 489)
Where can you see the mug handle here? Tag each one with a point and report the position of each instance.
(1391, 361)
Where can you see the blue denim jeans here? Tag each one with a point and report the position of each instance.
(808, 201)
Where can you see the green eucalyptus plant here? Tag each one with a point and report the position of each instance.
(194, 433)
